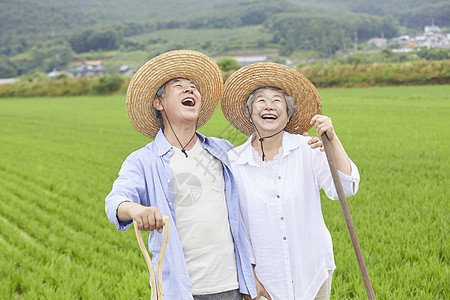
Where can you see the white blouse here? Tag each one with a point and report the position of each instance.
(271, 166)
(289, 242)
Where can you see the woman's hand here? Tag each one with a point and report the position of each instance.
(323, 124)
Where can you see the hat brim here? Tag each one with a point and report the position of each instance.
(188, 64)
(244, 81)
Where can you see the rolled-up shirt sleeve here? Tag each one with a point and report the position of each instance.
(324, 179)
(129, 186)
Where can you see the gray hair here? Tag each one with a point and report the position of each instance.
(289, 100)
(160, 94)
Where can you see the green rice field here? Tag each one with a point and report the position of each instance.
(60, 156)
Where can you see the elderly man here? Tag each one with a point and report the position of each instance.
(184, 175)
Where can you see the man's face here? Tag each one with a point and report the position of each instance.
(182, 101)
(269, 112)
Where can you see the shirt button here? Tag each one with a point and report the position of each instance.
(168, 181)
(170, 203)
(279, 177)
(284, 238)
(278, 196)
(282, 218)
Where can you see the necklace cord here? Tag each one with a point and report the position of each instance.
(261, 139)
(181, 145)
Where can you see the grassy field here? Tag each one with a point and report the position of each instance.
(59, 157)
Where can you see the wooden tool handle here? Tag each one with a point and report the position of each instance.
(156, 287)
(347, 216)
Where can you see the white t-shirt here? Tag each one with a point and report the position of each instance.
(290, 244)
(201, 217)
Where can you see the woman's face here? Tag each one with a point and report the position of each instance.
(269, 112)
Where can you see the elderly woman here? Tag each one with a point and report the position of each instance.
(279, 177)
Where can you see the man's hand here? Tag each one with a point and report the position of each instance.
(147, 218)
(315, 142)
(260, 290)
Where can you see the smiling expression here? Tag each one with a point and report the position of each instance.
(269, 112)
(181, 102)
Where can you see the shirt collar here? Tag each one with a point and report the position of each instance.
(290, 142)
(244, 152)
(164, 146)
(203, 138)
(245, 155)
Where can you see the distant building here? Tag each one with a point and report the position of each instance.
(53, 74)
(248, 60)
(403, 50)
(402, 40)
(379, 42)
(431, 29)
(431, 38)
(88, 68)
(125, 70)
(8, 80)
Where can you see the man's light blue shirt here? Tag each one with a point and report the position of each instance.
(146, 178)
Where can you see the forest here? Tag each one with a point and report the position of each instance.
(40, 36)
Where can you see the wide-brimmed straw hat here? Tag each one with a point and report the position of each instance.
(153, 74)
(244, 81)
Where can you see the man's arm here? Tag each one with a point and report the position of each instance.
(145, 217)
(314, 142)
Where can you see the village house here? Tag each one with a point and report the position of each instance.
(251, 59)
(88, 68)
(125, 70)
(379, 42)
(432, 38)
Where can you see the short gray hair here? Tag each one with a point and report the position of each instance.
(159, 94)
(289, 100)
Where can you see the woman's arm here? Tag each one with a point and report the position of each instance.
(323, 124)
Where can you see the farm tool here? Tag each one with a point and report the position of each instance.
(156, 287)
(348, 218)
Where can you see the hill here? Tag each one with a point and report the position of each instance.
(49, 34)
(28, 17)
(409, 13)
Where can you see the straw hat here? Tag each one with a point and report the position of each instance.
(244, 81)
(153, 74)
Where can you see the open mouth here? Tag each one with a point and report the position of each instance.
(188, 102)
(269, 117)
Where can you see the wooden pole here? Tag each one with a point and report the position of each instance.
(348, 218)
(156, 286)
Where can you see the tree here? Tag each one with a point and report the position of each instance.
(228, 64)
(7, 70)
(93, 40)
